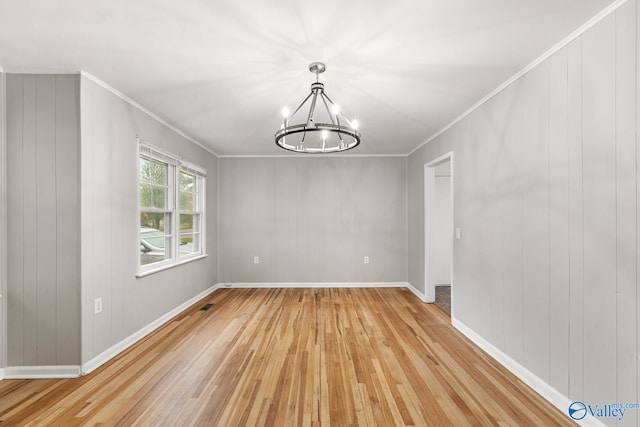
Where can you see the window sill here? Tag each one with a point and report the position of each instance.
(167, 267)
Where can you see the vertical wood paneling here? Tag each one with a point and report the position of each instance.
(626, 206)
(558, 224)
(599, 178)
(102, 204)
(490, 234)
(15, 226)
(576, 239)
(575, 200)
(498, 165)
(511, 199)
(67, 164)
(87, 228)
(46, 232)
(466, 249)
(109, 212)
(535, 232)
(301, 215)
(122, 228)
(29, 174)
(44, 218)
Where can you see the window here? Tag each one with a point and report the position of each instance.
(171, 214)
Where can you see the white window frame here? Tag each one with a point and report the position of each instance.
(175, 165)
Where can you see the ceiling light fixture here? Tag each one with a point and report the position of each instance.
(324, 131)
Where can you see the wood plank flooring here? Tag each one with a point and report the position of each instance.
(291, 357)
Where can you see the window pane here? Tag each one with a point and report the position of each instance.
(187, 201)
(189, 238)
(187, 182)
(145, 195)
(196, 242)
(187, 244)
(144, 168)
(186, 223)
(153, 172)
(155, 239)
(159, 197)
(187, 191)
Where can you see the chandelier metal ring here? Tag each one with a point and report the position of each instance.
(324, 130)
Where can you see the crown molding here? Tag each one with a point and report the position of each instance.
(571, 37)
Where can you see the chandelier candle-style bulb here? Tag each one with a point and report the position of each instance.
(320, 126)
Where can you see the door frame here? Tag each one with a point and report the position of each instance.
(429, 197)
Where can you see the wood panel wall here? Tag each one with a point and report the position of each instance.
(110, 247)
(313, 219)
(43, 156)
(546, 196)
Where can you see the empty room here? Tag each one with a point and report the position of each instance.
(345, 213)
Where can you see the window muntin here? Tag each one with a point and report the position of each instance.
(171, 206)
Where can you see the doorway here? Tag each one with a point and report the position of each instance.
(438, 239)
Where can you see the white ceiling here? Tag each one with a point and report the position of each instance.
(221, 70)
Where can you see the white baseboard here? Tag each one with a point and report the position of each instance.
(111, 352)
(314, 285)
(416, 292)
(552, 395)
(2, 374)
(38, 372)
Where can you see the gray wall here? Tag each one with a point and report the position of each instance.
(109, 209)
(442, 232)
(43, 156)
(313, 219)
(3, 221)
(546, 195)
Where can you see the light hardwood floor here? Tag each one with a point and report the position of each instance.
(291, 357)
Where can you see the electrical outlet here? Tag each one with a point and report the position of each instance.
(366, 260)
(256, 260)
(97, 305)
(458, 233)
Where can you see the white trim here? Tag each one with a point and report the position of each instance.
(144, 110)
(552, 395)
(114, 350)
(41, 372)
(2, 374)
(284, 156)
(175, 166)
(416, 292)
(577, 33)
(147, 149)
(164, 267)
(316, 285)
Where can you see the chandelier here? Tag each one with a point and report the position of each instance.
(321, 130)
